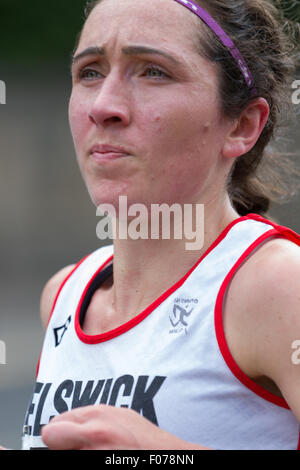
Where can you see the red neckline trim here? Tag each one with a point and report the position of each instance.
(96, 339)
(224, 349)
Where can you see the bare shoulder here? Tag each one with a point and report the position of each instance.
(271, 272)
(50, 291)
(264, 301)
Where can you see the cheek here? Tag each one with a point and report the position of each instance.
(78, 120)
(184, 146)
(181, 130)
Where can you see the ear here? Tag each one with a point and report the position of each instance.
(246, 129)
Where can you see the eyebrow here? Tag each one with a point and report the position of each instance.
(129, 51)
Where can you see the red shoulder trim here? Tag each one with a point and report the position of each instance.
(55, 300)
(239, 374)
(284, 231)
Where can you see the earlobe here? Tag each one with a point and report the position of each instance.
(233, 148)
(247, 129)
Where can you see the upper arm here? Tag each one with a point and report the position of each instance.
(50, 291)
(284, 329)
(270, 289)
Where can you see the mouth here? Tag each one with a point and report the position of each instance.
(101, 153)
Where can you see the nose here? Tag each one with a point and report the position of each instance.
(111, 104)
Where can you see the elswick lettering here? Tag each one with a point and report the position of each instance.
(125, 391)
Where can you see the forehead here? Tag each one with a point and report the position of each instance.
(156, 22)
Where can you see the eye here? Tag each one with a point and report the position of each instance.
(88, 74)
(153, 71)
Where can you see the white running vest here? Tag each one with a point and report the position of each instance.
(171, 363)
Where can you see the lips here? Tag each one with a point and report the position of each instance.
(108, 152)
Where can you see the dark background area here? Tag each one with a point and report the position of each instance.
(47, 219)
(36, 32)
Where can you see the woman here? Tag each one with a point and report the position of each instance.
(150, 345)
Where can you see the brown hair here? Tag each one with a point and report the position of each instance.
(258, 28)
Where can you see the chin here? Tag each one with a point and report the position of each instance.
(119, 203)
(106, 191)
(108, 198)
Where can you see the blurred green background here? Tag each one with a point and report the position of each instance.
(47, 219)
(39, 31)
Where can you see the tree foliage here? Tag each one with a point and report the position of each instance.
(37, 31)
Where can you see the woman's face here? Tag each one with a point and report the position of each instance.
(141, 87)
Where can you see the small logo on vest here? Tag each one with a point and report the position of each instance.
(60, 331)
(181, 313)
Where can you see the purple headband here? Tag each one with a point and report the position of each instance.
(224, 38)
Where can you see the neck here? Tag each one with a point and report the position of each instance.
(145, 268)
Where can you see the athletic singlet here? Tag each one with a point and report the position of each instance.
(171, 363)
